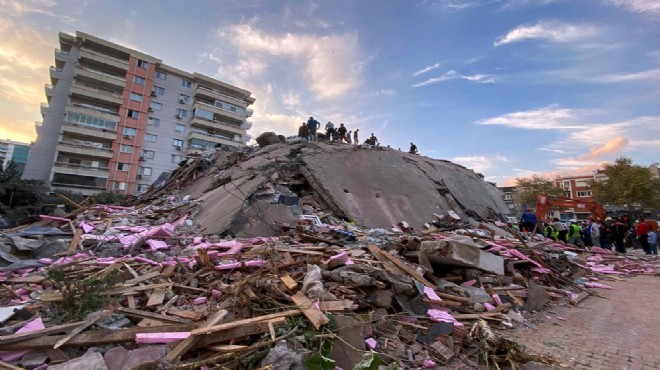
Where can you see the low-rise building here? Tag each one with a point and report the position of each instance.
(15, 152)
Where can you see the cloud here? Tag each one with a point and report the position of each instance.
(457, 5)
(549, 118)
(637, 6)
(560, 151)
(452, 75)
(514, 4)
(427, 69)
(648, 75)
(473, 60)
(553, 31)
(331, 64)
(614, 146)
(479, 163)
(384, 92)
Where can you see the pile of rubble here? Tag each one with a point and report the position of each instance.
(166, 283)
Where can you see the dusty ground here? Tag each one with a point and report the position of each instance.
(621, 332)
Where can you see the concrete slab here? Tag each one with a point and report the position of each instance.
(458, 253)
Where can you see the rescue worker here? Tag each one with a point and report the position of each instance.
(574, 236)
(549, 231)
(527, 220)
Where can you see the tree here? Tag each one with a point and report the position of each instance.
(627, 185)
(19, 198)
(528, 189)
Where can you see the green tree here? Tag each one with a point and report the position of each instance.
(627, 185)
(19, 198)
(528, 189)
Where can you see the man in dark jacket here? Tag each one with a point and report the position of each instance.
(303, 131)
(618, 232)
(527, 220)
(312, 125)
(341, 131)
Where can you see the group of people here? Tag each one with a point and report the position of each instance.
(310, 131)
(617, 232)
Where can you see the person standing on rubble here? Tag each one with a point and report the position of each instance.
(348, 137)
(561, 229)
(528, 220)
(312, 126)
(618, 232)
(303, 131)
(413, 149)
(594, 229)
(653, 242)
(330, 133)
(549, 231)
(341, 131)
(355, 136)
(574, 236)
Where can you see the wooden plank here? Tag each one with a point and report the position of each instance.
(145, 277)
(150, 315)
(400, 264)
(56, 356)
(300, 251)
(387, 265)
(579, 298)
(74, 242)
(4, 339)
(186, 314)
(4, 365)
(32, 279)
(313, 314)
(157, 297)
(94, 338)
(89, 320)
(337, 306)
(168, 271)
(131, 301)
(226, 348)
(239, 332)
(175, 355)
(289, 282)
(246, 322)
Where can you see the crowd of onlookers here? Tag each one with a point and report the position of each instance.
(618, 233)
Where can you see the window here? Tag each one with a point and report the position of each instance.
(153, 121)
(185, 99)
(129, 131)
(567, 194)
(181, 113)
(174, 158)
(141, 188)
(126, 149)
(584, 194)
(150, 138)
(179, 127)
(139, 80)
(186, 83)
(91, 121)
(158, 90)
(136, 97)
(566, 184)
(202, 113)
(123, 166)
(143, 64)
(155, 106)
(508, 197)
(146, 171)
(148, 154)
(161, 75)
(133, 114)
(177, 143)
(119, 185)
(582, 183)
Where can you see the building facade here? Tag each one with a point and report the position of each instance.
(16, 152)
(508, 195)
(116, 118)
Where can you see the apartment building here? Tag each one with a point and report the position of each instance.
(116, 118)
(576, 187)
(14, 151)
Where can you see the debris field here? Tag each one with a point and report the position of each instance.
(290, 256)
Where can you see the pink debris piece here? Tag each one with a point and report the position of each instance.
(230, 266)
(53, 218)
(317, 304)
(146, 260)
(213, 255)
(33, 325)
(498, 301)
(598, 285)
(561, 318)
(431, 294)
(45, 261)
(216, 294)
(468, 283)
(87, 228)
(155, 245)
(371, 343)
(197, 240)
(489, 307)
(440, 316)
(199, 300)
(161, 337)
(428, 363)
(180, 221)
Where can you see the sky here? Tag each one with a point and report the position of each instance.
(508, 88)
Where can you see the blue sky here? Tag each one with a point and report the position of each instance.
(509, 88)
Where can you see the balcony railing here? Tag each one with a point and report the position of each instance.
(83, 146)
(221, 108)
(93, 107)
(81, 166)
(97, 90)
(206, 133)
(80, 186)
(219, 93)
(102, 55)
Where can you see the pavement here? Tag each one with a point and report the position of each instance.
(619, 332)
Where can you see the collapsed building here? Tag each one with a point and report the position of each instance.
(254, 193)
(290, 256)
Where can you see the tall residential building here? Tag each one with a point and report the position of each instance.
(116, 118)
(15, 152)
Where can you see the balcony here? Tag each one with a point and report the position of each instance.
(214, 94)
(77, 128)
(249, 112)
(109, 114)
(196, 134)
(99, 77)
(55, 74)
(217, 126)
(84, 150)
(246, 125)
(44, 108)
(80, 170)
(94, 57)
(224, 113)
(92, 93)
(49, 89)
(61, 55)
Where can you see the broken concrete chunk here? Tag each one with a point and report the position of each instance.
(281, 357)
(458, 253)
(537, 297)
(90, 361)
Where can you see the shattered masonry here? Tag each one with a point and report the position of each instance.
(291, 256)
